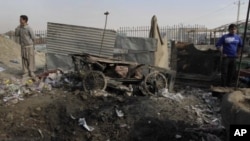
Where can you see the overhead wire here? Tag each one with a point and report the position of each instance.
(212, 12)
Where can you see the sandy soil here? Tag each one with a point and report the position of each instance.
(11, 51)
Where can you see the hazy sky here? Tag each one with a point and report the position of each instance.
(211, 13)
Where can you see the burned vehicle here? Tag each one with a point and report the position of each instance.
(98, 73)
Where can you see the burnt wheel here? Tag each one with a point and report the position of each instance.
(94, 80)
(154, 82)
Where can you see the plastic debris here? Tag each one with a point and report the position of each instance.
(2, 69)
(51, 78)
(178, 136)
(56, 78)
(98, 93)
(72, 117)
(83, 122)
(13, 89)
(14, 61)
(41, 133)
(48, 87)
(130, 92)
(164, 92)
(6, 81)
(67, 80)
(40, 86)
(16, 96)
(119, 113)
(29, 82)
(123, 125)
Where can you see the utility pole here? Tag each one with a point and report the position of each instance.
(238, 11)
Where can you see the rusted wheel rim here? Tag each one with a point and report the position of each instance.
(154, 82)
(94, 80)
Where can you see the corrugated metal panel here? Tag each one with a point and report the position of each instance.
(136, 49)
(70, 39)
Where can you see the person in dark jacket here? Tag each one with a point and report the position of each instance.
(230, 46)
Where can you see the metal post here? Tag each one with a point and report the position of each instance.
(244, 39)
(106, 13)
(214, 37)
(238, 13)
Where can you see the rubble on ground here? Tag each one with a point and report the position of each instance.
(196, 108)
(189, 113)
(14, 89)
(207, 113)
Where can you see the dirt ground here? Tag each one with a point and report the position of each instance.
(53, 115)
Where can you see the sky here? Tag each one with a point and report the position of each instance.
(129, 13)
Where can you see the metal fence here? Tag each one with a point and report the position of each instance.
(197, 34)
(41, 36)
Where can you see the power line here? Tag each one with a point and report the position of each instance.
(215, 11)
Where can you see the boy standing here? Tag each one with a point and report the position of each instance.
(26, 40)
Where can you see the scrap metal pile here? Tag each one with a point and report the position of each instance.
(98, 73)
